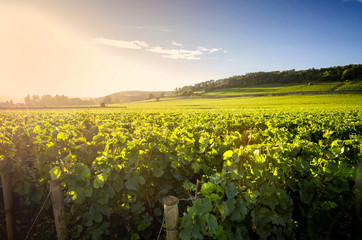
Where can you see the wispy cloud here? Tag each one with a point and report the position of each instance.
(177, 44)
(209, 50)
(122, 44)
(177, 53)
(172, 53)
(163, 29)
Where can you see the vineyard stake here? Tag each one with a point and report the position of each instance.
(58, 209)
(171, 217)
(356, 216)
(8, 203)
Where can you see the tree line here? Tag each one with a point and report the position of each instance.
(57, 100)
(338, 73)
(46, 101)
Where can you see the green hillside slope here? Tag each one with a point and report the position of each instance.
(273, 88)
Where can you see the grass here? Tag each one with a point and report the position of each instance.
(276, 103)
(351, 86)
(272, 88)
(289, 103)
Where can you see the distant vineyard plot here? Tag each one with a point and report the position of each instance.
(290, 103)
(351, 86)
(274, 88)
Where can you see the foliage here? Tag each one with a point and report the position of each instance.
(352, 86)
(262, 175)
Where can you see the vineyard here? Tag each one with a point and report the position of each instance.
(239, 175)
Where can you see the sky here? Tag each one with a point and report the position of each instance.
(92, 48)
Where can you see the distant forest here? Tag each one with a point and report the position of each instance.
(57, 100)
(331, 74)
(46, 101)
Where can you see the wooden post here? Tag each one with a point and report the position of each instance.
(357, 213)
(8, 202)
(171, 217)
(58, 209)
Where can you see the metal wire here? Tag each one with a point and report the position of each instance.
(163, 222)
(31, 228)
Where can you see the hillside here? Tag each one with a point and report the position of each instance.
(282, 89)
(322, 75)
(131, 96)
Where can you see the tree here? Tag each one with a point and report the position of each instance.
(348, 74)
(47, 100)
(107, 100)
(150, 96)
(27, 100)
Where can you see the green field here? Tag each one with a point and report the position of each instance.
(351, 86)
(276, 103)
(272, 88)
(281, 167)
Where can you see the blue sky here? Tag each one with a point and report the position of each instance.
(163, 44)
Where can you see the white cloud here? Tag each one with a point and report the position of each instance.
(209, 50)
(177, 44)
(167, 53)
(203, 49)
(177, 53)
(163, 29)
(122, 44)
(214, 50)
(225, 51)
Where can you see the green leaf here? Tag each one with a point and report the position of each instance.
(189, 186)
(135, 236)
(88, 192)
(231, 190)
(52, 152)
(35, 195)
(185, 233)
(211, 223)
(220, 233)
(228, 154)
(130, 185)
(207, 188)
(221, 209)
(276, 219)
(305, 192)
(82, 171)
(214, 197)
(95, 214)
(77, 231)
(203, 205)
(62, 136)
(87, 220)
(99, 181)
(55, 173)
(141, 180)
(118, 185)
(22, 188)
(157, 172)
(239, 212)
(262, 232)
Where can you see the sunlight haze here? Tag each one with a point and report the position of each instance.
(94, 48)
